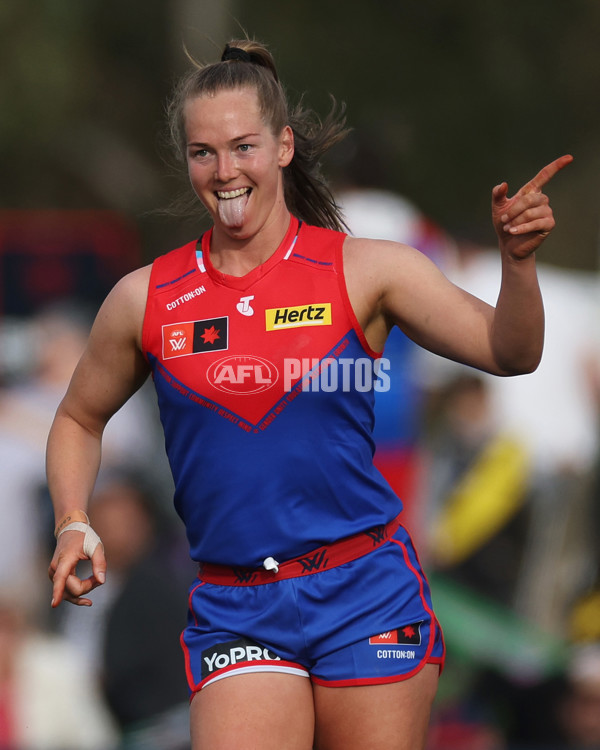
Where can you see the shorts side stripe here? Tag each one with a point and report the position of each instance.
(190, 605)
(187, 660)
(184, 647)
(426, 607)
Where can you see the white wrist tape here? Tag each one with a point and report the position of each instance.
(90, 540)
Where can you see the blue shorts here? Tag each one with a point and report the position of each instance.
(367, 621)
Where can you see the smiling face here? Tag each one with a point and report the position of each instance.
(235, 162)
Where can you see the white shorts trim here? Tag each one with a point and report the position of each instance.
(248, 669)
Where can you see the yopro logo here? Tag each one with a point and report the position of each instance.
(234, 652)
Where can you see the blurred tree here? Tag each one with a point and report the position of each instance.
(203, 27)
(83, 92)
(458, 95)
(83, 79)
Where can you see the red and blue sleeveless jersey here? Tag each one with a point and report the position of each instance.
(265, 387)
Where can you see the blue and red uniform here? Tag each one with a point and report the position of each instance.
(265, 387)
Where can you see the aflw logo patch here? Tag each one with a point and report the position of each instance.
(278, 318)
(195, 337)
(409, 635)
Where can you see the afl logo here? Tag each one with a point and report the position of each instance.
(242, 374)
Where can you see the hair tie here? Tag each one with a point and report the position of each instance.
(235, 53)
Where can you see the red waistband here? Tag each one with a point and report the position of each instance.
(323, 558)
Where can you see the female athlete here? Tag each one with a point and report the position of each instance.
(310, 622)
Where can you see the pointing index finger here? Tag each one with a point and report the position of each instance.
(547, 173)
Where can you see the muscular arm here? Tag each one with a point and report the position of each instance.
(406, 289)
(111, 369)
(392, 284)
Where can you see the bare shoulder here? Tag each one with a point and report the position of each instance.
(125, 305)
(377, 258)
(373, 269)
(132, 289)
(112, 366)
(389, 284)
(380, 267)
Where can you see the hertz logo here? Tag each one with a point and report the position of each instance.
(295, 317)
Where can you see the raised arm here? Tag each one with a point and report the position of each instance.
(395, 284)
(522, 223)
(111, 369)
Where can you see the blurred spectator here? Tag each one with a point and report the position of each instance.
(545, 555)
(559, 713)
(52, 344)
(131, 635)
(554, 413)
(47, 701)
(476, 480)
(584, 623)
(556, 407)
(580, 707)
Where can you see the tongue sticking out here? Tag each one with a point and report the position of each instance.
(231, 210)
